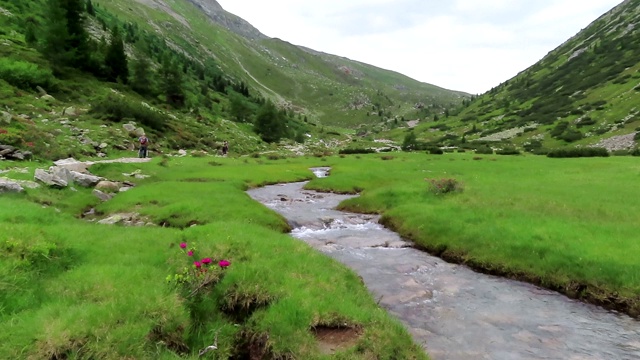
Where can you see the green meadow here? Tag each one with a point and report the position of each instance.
(72, 288)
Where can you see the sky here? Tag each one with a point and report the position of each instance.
(464, 45)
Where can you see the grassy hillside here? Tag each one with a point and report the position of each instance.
(584, 93)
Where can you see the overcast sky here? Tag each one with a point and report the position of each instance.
(466, 45)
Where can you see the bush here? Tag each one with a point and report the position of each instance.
(116, 108)
(578, 152)
(484, 150)
(25, 75)
(435, 151)
(356, 151)
(635, 152)
(444, 186)
(509, 150)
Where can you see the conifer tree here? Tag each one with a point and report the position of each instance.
(116, 59)
(142, 81)
(90, 10)
(172, 82)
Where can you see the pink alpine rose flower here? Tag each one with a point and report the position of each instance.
(224, 263)
(197, 264)
(206, 261)
(183, 245)
(190, 253)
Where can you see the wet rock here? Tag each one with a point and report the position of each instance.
(70, 111)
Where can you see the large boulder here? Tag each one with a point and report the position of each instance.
(8, 186)
(50, 179)
(62, 173)
(85, 180)
(108, 186)
(73, 165)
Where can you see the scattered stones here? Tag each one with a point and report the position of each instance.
(48, 98)
(616, 143)
(12, 153)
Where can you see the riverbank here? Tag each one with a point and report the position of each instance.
(568, 225)
(210, 269)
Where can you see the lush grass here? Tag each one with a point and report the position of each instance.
(74, 289)
(568, 224)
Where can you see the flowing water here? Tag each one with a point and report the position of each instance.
(454, 312)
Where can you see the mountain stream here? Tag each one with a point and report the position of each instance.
(452, 311)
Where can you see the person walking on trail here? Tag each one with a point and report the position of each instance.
(225, 148)
(144, 145)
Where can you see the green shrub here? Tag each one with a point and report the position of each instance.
(578, 152)
(484, 150)
(635, 152)
(356, 151)
(509, 150)
(25, 75)
(116, 108)
(435, 151)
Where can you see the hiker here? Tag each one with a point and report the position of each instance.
(144, 143)
(225, 148)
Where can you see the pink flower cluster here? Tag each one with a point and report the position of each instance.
(203, 262)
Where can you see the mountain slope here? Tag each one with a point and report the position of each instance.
(328, 88)
(585, 92)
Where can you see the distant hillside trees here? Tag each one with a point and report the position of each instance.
(171, 77)
(66, 42)
(142, 81)
(116, 64)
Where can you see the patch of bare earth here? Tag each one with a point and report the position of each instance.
(334, 339)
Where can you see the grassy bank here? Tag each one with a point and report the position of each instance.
(569, 225)
(72, 288)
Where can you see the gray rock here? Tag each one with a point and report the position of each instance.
(72, 164)
(70, 111)
(5, 117)
(103, 146)
(8, 186)
(102, 195)
(85, 180)
(129, 127)
(62, 173)
(109, 186)
(48, 98)
(49, 179)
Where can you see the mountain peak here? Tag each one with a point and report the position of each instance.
(220, 16)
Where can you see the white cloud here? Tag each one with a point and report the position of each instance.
(466, 45)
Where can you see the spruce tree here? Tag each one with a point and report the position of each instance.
(90, 10)
(78, 42)
(142, 81)
(172, 83)
(56, 35)
(116, 58)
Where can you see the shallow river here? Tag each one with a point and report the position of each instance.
(454, 312)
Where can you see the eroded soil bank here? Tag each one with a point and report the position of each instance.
(454, 312)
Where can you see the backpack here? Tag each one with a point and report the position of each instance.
(143, 140)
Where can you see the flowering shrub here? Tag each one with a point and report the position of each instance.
(197, 275)
(444, 186)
